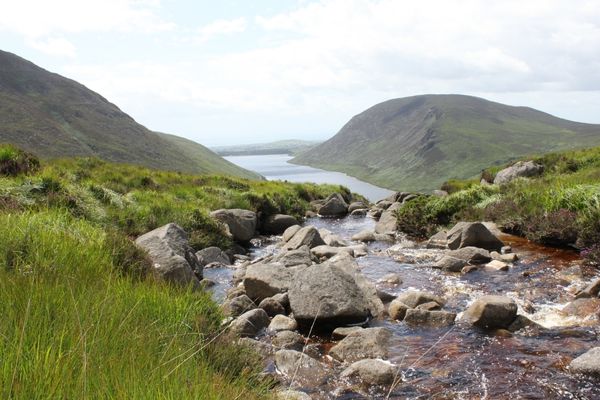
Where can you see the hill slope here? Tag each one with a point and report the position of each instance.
(278, 147)
(53, 116)
(417, 143)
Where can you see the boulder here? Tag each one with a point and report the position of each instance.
(335, 206)
(366, 343)
(471, 255)
(172, 257)
(357, 205)
(290, 340)
(392, 279)
(266, 280)
(366, 235)
(264, 349)
(473, 234)
(385, 296)
(241, 223)
(278, 223)
(388, 222)
(283, 299)
(293, 258)
(450, 264)
(250, 323)
(496, 265)
(522, 322)
(282, 323)
(300, 366)
(508, 257)
(271, 306)
(413, 298)
(289, 394)
(307, 236)
(429, 306)
(436, 319)
(342, 332)
(360, 213)
(238, 306)
(384, 204)
(371, 372)
(397, 310)
(582, 308)
(290, 232)
(525, 169)
(438, 241)
(588, 363)
(211, 255)
(491, 312)
(329, 251)
(590, 290)
(332, 239)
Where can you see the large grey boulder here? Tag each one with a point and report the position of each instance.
(438, 241)
(588, 363)
(172, 257)
(306, 236)
(334, 206)
(357, 205)
(450, 264)
(471, 255)
(267, 280)
(388, 222)
(325, 251)
(278, 223)
(300, 366)
(241, 223)
(290, 232)
(371, 372)
(523, 169)
(491, 312)
(289, 340)
(365, 343)
(211, 255)
(474, 234)
(293, 258)
(250, 323)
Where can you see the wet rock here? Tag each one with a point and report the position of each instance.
(302, 367)
(282, 323)
(475, 234)
(266, 280)
(371, 372)
(310, 214)
(250, 323)
(240, 273)
(359, 213)
(330, 251)
(357, 205)
(292, 258)
(278, 223)
(588, 363)
(508, 258)
(496, 265)
(384, 204)
(392, 279)
(241, 223)
(271, 306)
(211, 255)
(590, 290)
(582, 308)
(307, 236)
(506, 250)
(520, 169)
(207, 283)
(450, 264)
(388, 223)
(384, 296)
(366, 343)
(430, 306)
(264, 349)
(314, 350)
(469, 268)
(438, 241)
(291, 395)
(366, 235)
(290, 232)
(397, 310)
(335, 206)
(283, 299)
(472, 255)
(375, 213)
(238, 305)
(413, 298)
(288, 340)
(436, 319)
(235, 292)
(522, 322)
(342, 332)
(490, 312)
(172, 257)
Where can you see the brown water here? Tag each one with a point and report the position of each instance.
(465, 363)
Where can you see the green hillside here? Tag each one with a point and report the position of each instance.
(417, 143)
(52, 116)
(278, 147)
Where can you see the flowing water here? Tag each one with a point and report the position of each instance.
(462, 362)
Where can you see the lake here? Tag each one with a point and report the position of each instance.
(276, 167)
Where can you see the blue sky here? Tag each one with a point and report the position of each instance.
(231, 72)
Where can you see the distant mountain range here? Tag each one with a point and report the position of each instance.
(52, 116)
(416, 143)
(279, 147)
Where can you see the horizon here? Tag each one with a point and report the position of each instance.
(239, 73)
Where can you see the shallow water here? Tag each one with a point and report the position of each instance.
(462, 362)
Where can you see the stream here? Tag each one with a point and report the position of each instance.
(461, 362)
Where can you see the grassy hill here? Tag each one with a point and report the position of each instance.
(416, 143)
(82, 316)
(52, 117)
(277, 147)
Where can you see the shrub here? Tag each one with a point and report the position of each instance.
(556, 228)
(14, 161)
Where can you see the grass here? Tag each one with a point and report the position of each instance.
(561, 207)
(81, 315)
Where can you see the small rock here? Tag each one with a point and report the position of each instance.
(413, 298)
(450, 264)
(468, 269)
(475, 234)
(266, 280)
(366, 235)
(250, 323)
(491, 312)
(335, 206)
(307, 236)
(397, 310)
(522, 322)
(292, 258)
(278, 223)
(359, 213)
(290, 232)
(392, 279)
(588, 363)
(509, 258)
(430, 306)
(519, 169)
(438, 241)
(291, 395)
(366, 343)
(282, 323)
(471, 255)
(238, 306)
(262, 348)
(371, 372)
(590, 290)
(207, 283)
(388, 222)
(342, 332)
(288, 340)
(429, 318)
(211, 255)
(241, 223)
(506, 250)
(357, 205)
(271, 306)
(299, 365)
(385, 296)
(497, 265)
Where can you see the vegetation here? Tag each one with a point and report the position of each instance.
(52, 117)
(561, 207)
(278, 147)
(417, 143)
(83, 318)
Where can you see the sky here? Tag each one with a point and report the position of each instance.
(250, 71)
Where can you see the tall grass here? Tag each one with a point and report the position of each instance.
(73, 326)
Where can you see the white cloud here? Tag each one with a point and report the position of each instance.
(54, 46)
(222, 27)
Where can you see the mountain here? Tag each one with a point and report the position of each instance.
(52, 116)
(416, 143)
(279, 147)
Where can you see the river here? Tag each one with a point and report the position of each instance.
(277, 167)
